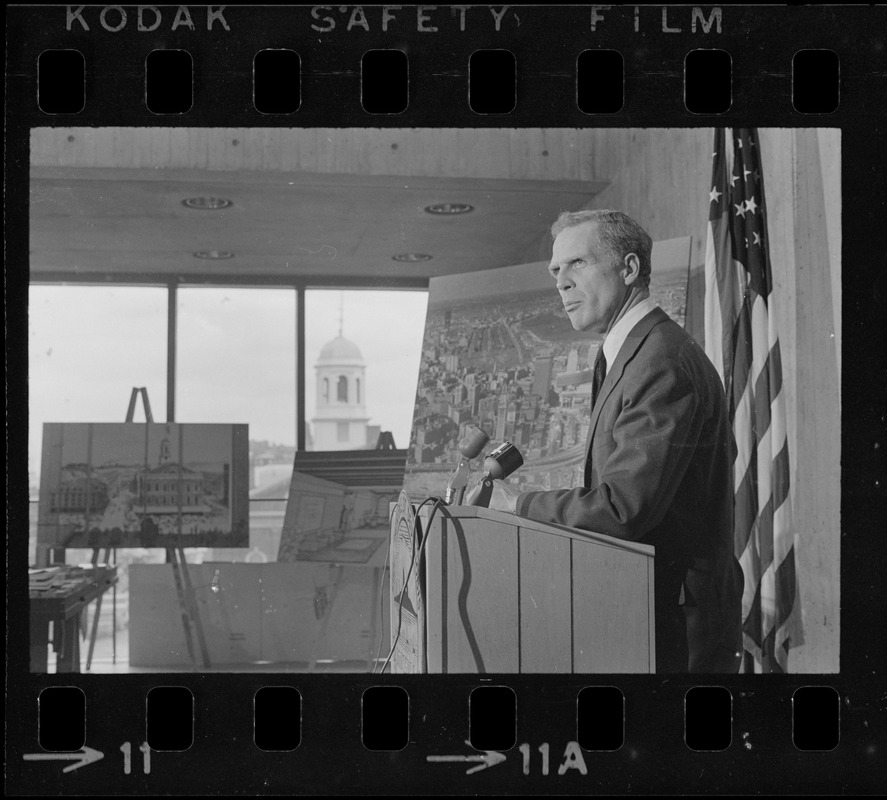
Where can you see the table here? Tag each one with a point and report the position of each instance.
(59, 594)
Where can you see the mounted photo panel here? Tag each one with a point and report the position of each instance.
(144, 485)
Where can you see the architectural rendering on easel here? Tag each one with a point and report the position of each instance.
(144, 485)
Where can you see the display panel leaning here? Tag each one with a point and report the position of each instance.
(329, 195)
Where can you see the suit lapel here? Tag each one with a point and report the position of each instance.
(614, 373)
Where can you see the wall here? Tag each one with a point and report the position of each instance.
(817, 409)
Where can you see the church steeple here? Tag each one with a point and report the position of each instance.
(340, 422)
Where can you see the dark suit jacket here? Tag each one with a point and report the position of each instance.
(659, 471)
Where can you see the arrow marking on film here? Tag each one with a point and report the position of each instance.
(489, 759)
(85, 755)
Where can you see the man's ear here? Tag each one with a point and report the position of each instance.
(631, 269)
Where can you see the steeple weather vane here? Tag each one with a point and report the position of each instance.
(341, 311)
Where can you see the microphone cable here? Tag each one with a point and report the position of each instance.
(438, 503)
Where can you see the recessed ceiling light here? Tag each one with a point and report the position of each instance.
(449, 208)
(207, 203)
(214, 255)
(412, 257)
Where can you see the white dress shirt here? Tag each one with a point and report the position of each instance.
(619, 332)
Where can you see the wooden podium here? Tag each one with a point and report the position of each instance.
(497, 593)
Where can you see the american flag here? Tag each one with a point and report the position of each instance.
(741, 339)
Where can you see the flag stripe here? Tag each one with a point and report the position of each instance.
(751, 625)
(745, 509)
(745, 450)
(786, 583)
(765, 536)
(780, 477)
(748, 560)
(760, 333)
(714, 313)
(774, 366)
(770, 661)
(763, 400)
(764, 457)
(742, 360)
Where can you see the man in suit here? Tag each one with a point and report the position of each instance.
(660, 448)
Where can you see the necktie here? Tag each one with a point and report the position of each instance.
(600, 372)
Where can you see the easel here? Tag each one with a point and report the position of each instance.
(385, 441)
(175, 555)
(98, 610)
(130, 415)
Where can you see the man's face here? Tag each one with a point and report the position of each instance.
(590, 280)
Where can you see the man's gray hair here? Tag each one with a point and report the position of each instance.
(617, 231)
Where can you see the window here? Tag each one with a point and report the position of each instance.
(385, 328)
(88, 346)
(236, 360)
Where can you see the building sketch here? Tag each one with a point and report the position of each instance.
(142, 485)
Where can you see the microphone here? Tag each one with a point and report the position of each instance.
(470, 447)
(498, 465)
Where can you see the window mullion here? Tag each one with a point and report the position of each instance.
(171, 345)
(300, 368)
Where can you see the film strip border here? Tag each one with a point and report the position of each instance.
(401, 735)
(331, 755)
(389, 65)
(385, 718)
(491, 78)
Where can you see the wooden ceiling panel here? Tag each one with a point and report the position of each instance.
(107, 221)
